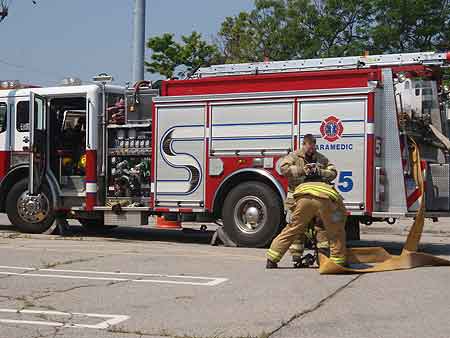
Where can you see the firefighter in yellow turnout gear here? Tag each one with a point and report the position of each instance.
(306, 165)
(315, 199)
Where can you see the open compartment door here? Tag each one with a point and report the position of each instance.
(38, 149)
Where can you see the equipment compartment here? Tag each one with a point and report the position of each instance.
(438, 187)
(129, 156)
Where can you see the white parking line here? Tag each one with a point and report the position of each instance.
(110, 319)
(112, 276)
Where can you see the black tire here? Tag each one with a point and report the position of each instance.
(352, 229)
(271, 222)
(13, 214)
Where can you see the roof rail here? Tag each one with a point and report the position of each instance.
(348, 62)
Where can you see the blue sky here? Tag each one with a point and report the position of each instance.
(57, 38)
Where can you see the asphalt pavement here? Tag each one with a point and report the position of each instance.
(135, 282)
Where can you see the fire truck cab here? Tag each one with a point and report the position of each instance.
(46, 137)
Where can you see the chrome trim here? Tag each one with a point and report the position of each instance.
(33, 209)
(264, 95)
(54, 188)
(17, 168)
(10, 173)
(88, 123)
(250, 214)
(215, 166)
(386, 214)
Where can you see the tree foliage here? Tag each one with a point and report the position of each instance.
(293, 29)
(170, 56)
(406, 26)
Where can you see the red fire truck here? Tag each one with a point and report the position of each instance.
(208, 148)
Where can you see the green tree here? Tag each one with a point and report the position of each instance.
(407, 26)
(329, 28)
(294, 29)
(286, 29)
(259, 34)
(170, 56)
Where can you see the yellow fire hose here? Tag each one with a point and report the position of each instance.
(377, 259)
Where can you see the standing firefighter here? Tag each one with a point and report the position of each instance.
(306, 165)
(312, 200)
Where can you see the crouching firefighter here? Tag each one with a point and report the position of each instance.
(315, 199)
(306, 165)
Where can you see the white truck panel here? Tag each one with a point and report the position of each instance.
(180, 154)
(251, 126)
(339, 125)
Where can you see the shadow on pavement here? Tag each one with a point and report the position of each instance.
(146, 234)
(137, 234)
(194, 236)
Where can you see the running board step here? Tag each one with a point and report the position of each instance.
(72, 183)
(129, 218)
(72, 193)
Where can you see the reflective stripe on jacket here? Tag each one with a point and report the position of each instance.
(318, 189)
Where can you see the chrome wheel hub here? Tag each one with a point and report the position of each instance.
(250, 214)
(33, 209)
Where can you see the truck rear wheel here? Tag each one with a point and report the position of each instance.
(352, 229)
(252, 214)
(30, 214)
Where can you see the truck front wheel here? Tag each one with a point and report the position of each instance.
(252, 214)
(30, 214)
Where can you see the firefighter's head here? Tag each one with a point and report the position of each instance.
(309, 144)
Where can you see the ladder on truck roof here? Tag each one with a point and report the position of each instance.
(348, 62)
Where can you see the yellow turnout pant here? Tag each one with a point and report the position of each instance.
(333, 216)
(298, 246)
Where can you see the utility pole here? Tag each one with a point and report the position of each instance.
(138, 40)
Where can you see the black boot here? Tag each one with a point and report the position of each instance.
(324, 251)
(297, 262)
(271, 265)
